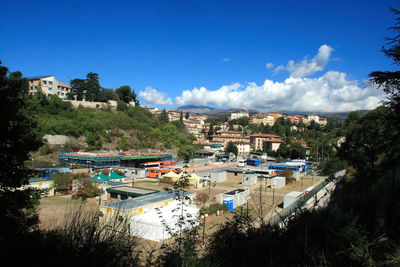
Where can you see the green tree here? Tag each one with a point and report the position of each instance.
(107, 94)
(18, 137)
(231, 148)
(163, 116)
(331, 166)
(126, 94)
(297, 151)
(187, 115)
(181, 118)
(92, 87)
(211, 130)
(88, 190)
(63, 182)
(78, 88)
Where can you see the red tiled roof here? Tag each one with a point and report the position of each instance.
(63, 85)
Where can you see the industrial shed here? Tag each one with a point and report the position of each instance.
(161, 223)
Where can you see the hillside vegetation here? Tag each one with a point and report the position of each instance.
(125, 128)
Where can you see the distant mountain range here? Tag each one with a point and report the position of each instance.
(210, 111)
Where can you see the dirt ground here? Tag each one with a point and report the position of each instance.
(52, 210)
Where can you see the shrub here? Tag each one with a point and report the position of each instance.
(45, 150)
(88, 190)
(202, 197)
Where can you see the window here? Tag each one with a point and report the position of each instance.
(50, 83)
(44, 82)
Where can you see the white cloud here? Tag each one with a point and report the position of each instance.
(330, 92)
(305, 67)
(152, 96)
(269, 65)
(226, 59)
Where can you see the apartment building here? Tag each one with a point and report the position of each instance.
(238, 115)
(313, 117)
(271, 144)
(256, 140)
(174, 115)
(224, 137)
(265, 119)
(49, 86)
(276, 115)
(294, 118)
(323, 121)
(243, 148)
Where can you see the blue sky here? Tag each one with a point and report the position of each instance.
(268, 55)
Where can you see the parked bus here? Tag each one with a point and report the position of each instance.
(253, 162)
(147, 165)
(156, 164)
(157, 172)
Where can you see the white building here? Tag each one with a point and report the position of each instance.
(238, 115)
(49, 86)
(313, 117)
(243, 148)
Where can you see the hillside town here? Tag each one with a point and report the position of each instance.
(218, 181)
(195, 133)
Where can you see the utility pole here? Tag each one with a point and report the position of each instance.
(317, 149)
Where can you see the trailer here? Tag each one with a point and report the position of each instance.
(278, 182)
(235, 198)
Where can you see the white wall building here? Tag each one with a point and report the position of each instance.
(238, 115)
(313, 117)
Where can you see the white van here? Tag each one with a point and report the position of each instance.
(241, 163)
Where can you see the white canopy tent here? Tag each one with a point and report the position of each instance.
(161, 223)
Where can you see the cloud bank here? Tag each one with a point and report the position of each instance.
(331, 92)
(152, 96)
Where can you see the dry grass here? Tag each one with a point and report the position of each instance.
(52, 210)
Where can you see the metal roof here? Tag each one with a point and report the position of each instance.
(131, 191)
(112, 183)
(134, 203)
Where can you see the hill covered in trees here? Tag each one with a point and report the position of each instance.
(126, 128)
